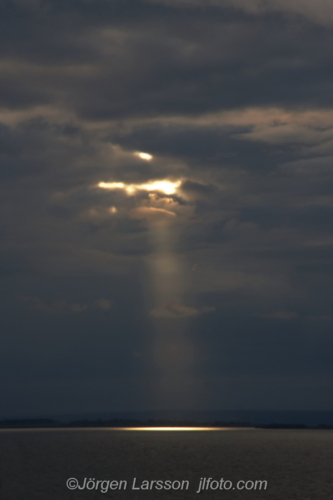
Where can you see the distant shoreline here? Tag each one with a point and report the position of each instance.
(120, 424)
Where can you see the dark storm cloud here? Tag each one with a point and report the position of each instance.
(234, 99)
(110, 59)
(196, 66)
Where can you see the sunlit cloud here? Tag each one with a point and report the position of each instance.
(163, 186)
(112, 185)
(144, 156)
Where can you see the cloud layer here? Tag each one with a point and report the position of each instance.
(232, 101)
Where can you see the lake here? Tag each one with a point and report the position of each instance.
(120, 464)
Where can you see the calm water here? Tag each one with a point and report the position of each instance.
(35, 464)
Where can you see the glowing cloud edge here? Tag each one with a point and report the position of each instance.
(164, 186)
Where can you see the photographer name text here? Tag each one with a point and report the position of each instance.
(204, 484)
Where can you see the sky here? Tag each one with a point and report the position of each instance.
(166, 205)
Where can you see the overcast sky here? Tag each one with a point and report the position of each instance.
(198, 275)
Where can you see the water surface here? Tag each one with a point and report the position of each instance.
(35, 464)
